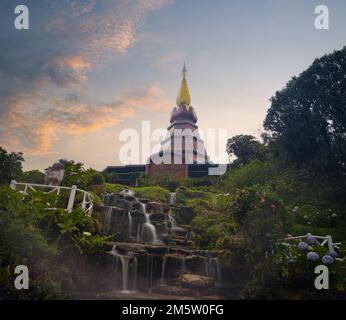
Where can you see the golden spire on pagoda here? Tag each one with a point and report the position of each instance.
(184, 94)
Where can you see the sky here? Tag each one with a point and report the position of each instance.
(86, 70)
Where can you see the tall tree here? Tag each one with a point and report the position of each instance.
(10, 165)
(245, 148)
(307, 118)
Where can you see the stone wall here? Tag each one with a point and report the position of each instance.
(176, 170)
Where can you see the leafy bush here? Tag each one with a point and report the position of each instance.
(55, 245)
(102, 189)
(167, 182)
(112, 177)
(254, 173)
(33, 176)
(10, 165)
(152, 193)
(96, 179)
(213, 230)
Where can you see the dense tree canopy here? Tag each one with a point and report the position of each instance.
(308, 117)
(245, 148)
(10, 165)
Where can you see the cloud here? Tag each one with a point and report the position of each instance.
(33, 130)
(65, 40)
(116, 30)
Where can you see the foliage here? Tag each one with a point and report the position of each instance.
(167, 182)
(102, 189)
(152, 193)
(213, 230)
(55, 245)
(245, 148)
(76, 174)
(261, 215)
(307, 118)
(96, 179)
(10, 165)
(253, 173)
(288, 274)
(112, 177)
(32, 176)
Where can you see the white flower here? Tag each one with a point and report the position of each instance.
(87, 233)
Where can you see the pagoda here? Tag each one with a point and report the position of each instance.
(182, 145)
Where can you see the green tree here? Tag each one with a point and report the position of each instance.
(96, 179)
(33, 176)
(75, 173)
(307, 118)
(10, 165)
(245, 148)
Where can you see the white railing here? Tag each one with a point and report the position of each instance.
(326, 240)
(87, 203)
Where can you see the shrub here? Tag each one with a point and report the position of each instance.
(152, 193)
(33, 176)
(167, 182)
(96, 179)
(55, 245)
(213, 230)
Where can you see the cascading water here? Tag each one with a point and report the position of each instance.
(213, 268)
(183, 264)
(218, 271)
(144, 266)
(172, 198)
(107, 221)
(148, 226)
(125, 267)
(130, 224)
(135, 270)
(163, 268)
(149, 280)
(138, 237)
(171, 219)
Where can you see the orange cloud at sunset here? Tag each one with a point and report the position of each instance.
(76, 63)
(34, 132)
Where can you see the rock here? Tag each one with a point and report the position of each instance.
(195, 263)
(157, 217)
(127, 193)
(184, 214)
(174, 290)
(195, 281)
(178, 231)
(156, 249)
(182, 251)
(157, 207)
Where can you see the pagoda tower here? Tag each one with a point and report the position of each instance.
(182, 145)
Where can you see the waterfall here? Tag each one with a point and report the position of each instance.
(149, 280)
(183, 264)
(138, 237)
(218, 271)
(148, 225)
(135, 269)
(130, 224)
(107, 221)
(172, 198)
(171, 219)
(164, 261)
(125, 268)
(206, 267)
(212, 268)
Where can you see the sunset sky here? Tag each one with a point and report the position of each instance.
(87, 69)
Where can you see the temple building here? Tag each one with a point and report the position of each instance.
(182, 153)
(182, 145)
